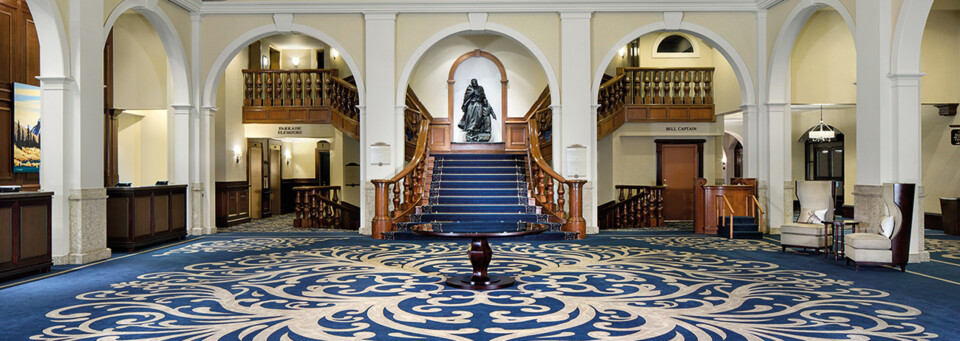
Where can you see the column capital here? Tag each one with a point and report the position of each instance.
(777, 106)
(380, 15)
(210, 108)
(401, 109)
(556, 108)
(55, 82)
(749, 107)
(906, 79)
(181, 109)
(576, 15)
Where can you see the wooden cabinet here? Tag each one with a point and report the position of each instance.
(233, 203)
(25, 232)
(141, 216)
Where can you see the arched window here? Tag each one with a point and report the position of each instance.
(675, 45)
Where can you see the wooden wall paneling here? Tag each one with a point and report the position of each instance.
(440, 135)
(707, 204)
(232, 203)
(6, 236)
(34, 235)
(515, 136)
(19, 62)
(141, 216)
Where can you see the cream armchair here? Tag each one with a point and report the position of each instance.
(814, 196)
(872, 247)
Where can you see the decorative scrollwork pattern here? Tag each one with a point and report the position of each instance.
(244, 244)
(948, 248)
(708, 243)
(565, 291)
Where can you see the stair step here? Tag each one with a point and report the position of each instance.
(477, 192)
(468, 217)
(722, 231)
(505, 200)
(546, 236)
(478, 156)
(477, 170)
(477, 226)
(476, 163)
(478, 208)
(480, 184)
(478, 177)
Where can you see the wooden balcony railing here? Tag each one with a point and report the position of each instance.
(636, 206)
(561, 199)
(409, 188)
(301, 96)
(640, 94)
(320, 207)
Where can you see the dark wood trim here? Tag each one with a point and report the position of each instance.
(18, 263)
(661, 142)
(933, 221)
(503, 88)
(20, 63)
(288, 195)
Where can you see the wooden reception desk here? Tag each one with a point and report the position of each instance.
(141, 216)
(24, 233)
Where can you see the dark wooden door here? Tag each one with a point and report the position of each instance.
(679, 164)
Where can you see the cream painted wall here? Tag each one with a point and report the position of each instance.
(938, 51)
(140, 64)
(940, 159)
(823, 62)
(413, 29)
(609, 28)
(843, 119)
(230, 117)
(541, 28)
(142, 147)
(525, 76)
(736, 28)
(302, 158)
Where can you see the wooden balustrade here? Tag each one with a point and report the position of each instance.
(561, 199)
(713, 202)
(541, 114)
(636, 207)
(397, 198)
(639, 94)
(413, 117)
(301, 96)
(320, 207)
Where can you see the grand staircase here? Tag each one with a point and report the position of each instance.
(743, 228)
(472, 193)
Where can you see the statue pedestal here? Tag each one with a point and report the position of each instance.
(477, 147)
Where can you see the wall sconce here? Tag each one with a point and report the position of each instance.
(237, 153)
(295, 61)
(266, 62)
(334, 54)
(287, 157)
(623, 51)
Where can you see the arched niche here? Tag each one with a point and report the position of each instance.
(452, 103)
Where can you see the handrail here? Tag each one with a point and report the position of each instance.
(756, 204)
(295, 89)
(319, 206)
(729, 206)
(415, 184)
(541, 178)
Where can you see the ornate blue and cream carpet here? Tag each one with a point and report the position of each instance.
(614, 286)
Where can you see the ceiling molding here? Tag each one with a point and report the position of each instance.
(767, 4)
(192, 6)
(469, 6)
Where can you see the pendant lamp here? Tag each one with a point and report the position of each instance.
(821, 132)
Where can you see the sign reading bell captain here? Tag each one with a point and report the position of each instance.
(477, 98)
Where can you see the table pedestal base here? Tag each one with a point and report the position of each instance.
(494, 282)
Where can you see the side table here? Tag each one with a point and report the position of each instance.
(838, 233)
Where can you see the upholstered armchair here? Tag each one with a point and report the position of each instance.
(816, 205)
(889, 242)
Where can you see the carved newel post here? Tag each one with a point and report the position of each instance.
(381, 211)
(575, 222)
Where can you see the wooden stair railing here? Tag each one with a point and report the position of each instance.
(639, 94)
(561, 199)
(721, 209)
(320, 207)
(410, 187)
(301, 96)
(637, 206)
(541, 113)
(413, 117)
(756, 210)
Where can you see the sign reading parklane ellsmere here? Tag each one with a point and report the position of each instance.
(294, 130)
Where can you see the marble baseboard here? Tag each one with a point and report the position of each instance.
(196, 208)
(199, 231)
(84, 258)
(588, 208)
(369, 203)
(772, 230)
(921, 257)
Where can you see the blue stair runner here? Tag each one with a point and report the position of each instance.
(743, 228)
(479, 193)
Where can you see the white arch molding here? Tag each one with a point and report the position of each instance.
(212, 81)
(54, 53)
(176, 54)
(779, 79)
(747, 93)
(487, 28)
(908, 35)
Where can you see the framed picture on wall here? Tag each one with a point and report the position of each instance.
(26, 128)
(955, 137)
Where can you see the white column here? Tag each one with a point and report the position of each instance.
(578, 121)
(875, 121)
(378, 123)
(55, 98)
(778, 169)
(907, 136)
(181, 144)
(204, 186)
(84, 136)
(752, 140)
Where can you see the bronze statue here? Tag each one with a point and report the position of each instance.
(476, 114)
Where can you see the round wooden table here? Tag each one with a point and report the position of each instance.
(838, 233)
(480, 256)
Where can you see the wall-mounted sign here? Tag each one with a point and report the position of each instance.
(576, 161)
(682, 128)
(380, 154)
(289, 130)
(955, 137)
